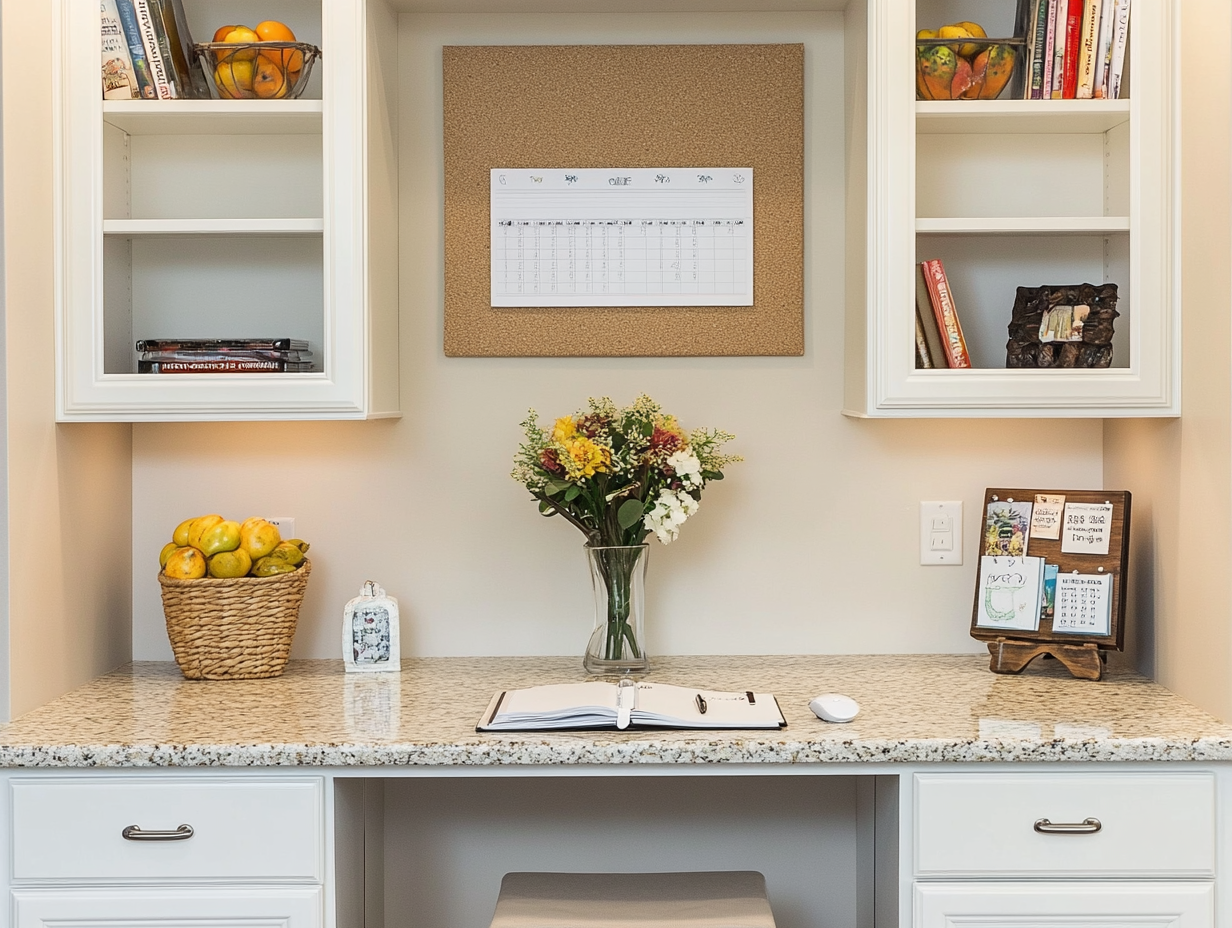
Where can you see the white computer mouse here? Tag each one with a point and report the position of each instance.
(835, 707)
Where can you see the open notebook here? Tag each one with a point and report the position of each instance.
(624, 705)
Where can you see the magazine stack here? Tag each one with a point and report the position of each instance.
(224, 356)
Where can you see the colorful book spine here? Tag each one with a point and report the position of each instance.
(1038, 41)
(923, 359)
(190, 77)
(1103, 50)
(160, 67)
(928, 319)
(1073, 38)
(1120, 41)
(1087, 49)
(1050, 49)
(1058, 52)
(942, 298)
(119, 79)
(136, 49)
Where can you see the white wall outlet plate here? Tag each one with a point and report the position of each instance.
(941, 537)
(286, 525)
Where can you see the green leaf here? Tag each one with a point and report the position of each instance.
(557, 486)
(572, 493)
(630, 513)
(546, 508)
(712, 475)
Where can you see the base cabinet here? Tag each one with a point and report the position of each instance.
(1064, 905)
(169, 908)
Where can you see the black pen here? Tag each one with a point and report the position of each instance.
(701, 704)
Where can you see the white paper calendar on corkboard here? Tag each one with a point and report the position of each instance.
(621, 236)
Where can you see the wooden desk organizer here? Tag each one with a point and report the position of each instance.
(1010, 651)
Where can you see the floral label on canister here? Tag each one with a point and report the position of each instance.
(370, 633)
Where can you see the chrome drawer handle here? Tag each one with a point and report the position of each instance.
(1088, 826)
(134, 833)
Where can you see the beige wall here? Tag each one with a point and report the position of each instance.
(69, 529)
(1181, 471)
(809, 546)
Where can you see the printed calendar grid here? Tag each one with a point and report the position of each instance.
(621, 237)
(619, 256)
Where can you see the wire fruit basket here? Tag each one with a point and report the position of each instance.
(966, 69)
(258, 70)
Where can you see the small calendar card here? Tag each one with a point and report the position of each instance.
(1087, 528)
(1084, 604)
(622, 236)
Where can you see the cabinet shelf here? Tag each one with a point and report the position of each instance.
(1019, 117)
(1022, 225)
(213, 226)
(215, 117)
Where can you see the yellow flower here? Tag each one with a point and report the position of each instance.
(669, 424)
(563, 430)
(586, 458)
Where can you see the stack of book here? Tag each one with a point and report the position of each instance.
(223, 356)
(939, 339)
(148, 52)
(1075, 48)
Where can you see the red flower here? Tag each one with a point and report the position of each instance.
(664, 443)
(592, 424)
(551, 463)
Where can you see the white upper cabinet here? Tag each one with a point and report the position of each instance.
(230, 219)
(1008, 193)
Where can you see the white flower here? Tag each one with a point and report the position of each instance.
(670, 511)
(687, 467)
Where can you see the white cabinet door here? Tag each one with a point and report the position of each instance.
(1063, 905)
(143, 908)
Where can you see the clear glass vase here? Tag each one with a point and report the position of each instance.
(617, 645)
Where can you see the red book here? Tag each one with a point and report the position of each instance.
(1073, 32)
(942, 298)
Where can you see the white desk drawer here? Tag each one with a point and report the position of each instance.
(253, 829)
(1157, 825)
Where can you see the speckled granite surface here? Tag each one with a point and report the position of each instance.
(921, 709)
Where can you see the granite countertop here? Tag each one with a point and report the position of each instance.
(914, 708)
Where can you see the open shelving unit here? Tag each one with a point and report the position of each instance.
(231, 219)
(1011, 193)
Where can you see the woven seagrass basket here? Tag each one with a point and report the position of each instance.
(237, 629)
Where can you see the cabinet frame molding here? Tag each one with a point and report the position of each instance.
(882, 380)
(357, 380)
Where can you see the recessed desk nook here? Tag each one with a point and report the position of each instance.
(347, 800)
(320, 799)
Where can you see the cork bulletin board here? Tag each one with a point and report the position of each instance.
(627, 106)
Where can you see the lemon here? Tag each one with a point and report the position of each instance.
(166, 553)
(199, 527)
(289, 552)
(185, 563)
(259, 538)
(270, 566)
(221, 536)
(228, 564)
(180, 535)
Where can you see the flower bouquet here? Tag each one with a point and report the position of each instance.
(618, 475)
